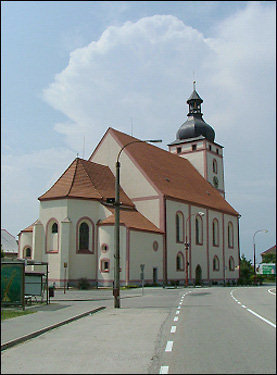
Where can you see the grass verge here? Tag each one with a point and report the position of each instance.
(8, 314)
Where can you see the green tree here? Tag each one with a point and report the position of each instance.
(246, 270)
(269, 258)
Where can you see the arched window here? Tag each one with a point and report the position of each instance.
(231, 264)
(105, 265)
(230, 235)
(180, 262)
(84, 236)
(215, 166)
(216, 263)
(215, 233)
(52, 237)
(198, 230)
(27, 252)
(179, 227)
(54, 228)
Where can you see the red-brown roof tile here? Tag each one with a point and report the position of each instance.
(172, 175)
(86, 180)
(132, 219)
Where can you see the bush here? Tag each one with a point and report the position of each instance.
(83, 283)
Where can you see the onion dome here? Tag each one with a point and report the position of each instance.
(195, 126)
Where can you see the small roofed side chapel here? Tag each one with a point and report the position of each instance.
(174, 218)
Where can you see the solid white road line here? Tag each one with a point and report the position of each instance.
(270, 291)
(173, 329)
(169, 346)
(164, 370)
(259, 316)
(253, 312)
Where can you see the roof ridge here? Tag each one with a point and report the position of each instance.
(73, 178)
(58, 179)
(83, 164)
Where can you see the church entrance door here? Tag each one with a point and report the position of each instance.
(198, 275)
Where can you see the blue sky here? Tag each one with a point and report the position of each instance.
(71, 69)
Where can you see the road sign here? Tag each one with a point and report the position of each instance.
(266, 269)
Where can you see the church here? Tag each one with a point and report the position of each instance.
(174, 218)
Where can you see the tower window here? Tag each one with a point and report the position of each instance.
(179, 149)
(194, 147)
(210, 147)
(215, 166)
(217, 151)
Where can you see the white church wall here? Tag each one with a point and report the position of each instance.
(231, 251)
(83, 263)
(220, 170)
(215, 250)
(25, 240)
(131, 178)
(198, 254)
(53, 210)
(197, 160)
(145, 248)
(151, 209)
(174, 247)
(105, 277)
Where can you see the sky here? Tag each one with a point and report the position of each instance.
(71, 69)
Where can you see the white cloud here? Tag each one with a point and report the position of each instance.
(25, 178)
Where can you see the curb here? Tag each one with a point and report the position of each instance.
(11, 343)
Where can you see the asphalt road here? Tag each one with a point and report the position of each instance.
(221, 331)
(217, 330)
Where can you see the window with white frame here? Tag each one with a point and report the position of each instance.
(179, 227)
(215, 233)
(198, 230)
(230, 235)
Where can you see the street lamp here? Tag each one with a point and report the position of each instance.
(187, 244)
(260, 230)
(116, 285)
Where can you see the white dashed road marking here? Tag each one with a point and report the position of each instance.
(169, 346)
(164, 370)
(173, 329)
(175, 318)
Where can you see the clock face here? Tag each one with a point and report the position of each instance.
(215, 181)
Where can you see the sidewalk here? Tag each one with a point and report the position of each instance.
(63, 308)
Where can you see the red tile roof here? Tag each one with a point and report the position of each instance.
(132, 219)
(86, 180)
(29, 228)
(271, 250)
(172, 175)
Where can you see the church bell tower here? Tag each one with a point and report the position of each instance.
(195, 142)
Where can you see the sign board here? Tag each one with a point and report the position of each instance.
(266, 269)
(12, 283)
(33, 285)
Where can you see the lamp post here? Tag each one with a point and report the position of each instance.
(187, 244)
(116, 285)
(254, 261)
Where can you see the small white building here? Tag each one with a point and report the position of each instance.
(168, 199)
(9, 244)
